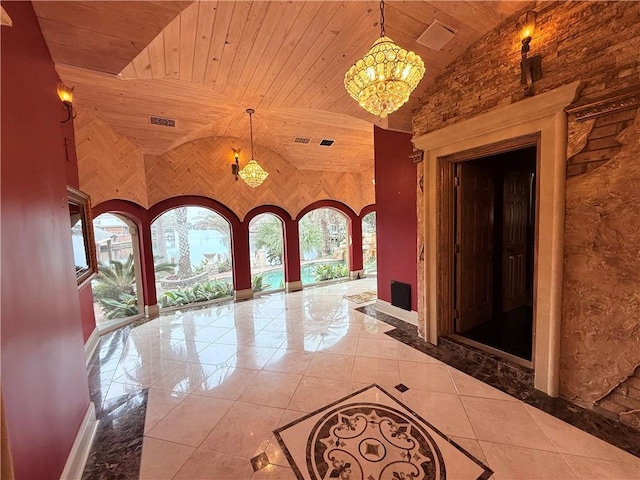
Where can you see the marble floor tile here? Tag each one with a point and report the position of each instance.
(227, 382)
(377, 348)
(313, 393)
(252, 357)
(335, 343)
(517, 463)
(505, 422)
(274, 472)
(244, 431)
(570, 440)
(191, 420)
(470, 387)
(375, 370)
(594, 468)
(161, 460)
(214, 354)
(159, 404)
(273, 389)
(444, 411)
(426, 376)
(470, 445)
(207, 465)
(329, 365)
(187, 378)
(289, 361)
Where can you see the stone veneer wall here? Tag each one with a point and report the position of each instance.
(596, 43)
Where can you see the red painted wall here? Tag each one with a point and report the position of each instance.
(396, 220)
(44, 381)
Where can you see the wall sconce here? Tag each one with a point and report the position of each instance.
(235, 167)
(66, 97)
(530, 67)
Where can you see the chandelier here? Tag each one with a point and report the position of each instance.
(252, 173)
(383, 79)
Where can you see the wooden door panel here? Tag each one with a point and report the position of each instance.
(474, 246)
(516, 198)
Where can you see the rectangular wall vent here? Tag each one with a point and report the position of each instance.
(303, 140)
(326, 143)
(401, 295)
(436, 36)
(163, 122)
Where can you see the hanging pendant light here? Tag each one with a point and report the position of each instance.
(383, 79)
(252, 173)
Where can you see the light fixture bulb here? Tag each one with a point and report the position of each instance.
(65, 93)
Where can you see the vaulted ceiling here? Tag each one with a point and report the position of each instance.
(203, 64)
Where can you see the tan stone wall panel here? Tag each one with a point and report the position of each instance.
(601, 297)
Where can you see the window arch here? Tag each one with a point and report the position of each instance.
(266, 246)
(192, 255)
(324, 245)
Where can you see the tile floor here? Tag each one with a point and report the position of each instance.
(221, 379)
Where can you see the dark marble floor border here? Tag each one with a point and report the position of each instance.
(116, 453)
(517, 385)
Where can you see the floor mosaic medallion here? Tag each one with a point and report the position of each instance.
(370, 435)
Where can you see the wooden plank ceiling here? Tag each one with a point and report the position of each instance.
(203, 63)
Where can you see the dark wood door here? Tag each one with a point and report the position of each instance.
(474, 246)
(515, 217)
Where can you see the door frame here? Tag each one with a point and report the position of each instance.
(446, 222)
(542, 114)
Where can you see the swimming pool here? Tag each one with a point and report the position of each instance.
(275, 278)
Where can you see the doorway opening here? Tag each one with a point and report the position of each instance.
(494, 209)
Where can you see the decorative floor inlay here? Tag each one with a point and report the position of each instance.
(260, 461)
(362, 297)
(369, 435)
(401, 387)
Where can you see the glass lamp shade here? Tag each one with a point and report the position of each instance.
(253, 174)
(65, 93)
(383, 79)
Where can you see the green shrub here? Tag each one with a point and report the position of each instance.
(198, 292)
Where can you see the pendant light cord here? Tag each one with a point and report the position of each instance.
(382, 18)
(251, 131)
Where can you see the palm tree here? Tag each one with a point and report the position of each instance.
(269, 237)
(184, 254)
(114, 286)
(310, 236)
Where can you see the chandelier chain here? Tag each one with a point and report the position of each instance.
(382, 18)
(251, 133)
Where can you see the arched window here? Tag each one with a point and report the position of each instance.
(324, 249)
(117, 288)
(266, 244)
(369, 249)
(192, 254)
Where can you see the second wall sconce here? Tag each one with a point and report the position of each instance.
(235, 167)
(66, 97)
(530, 67)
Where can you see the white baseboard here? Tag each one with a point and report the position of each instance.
(293, 286)
(77, 459)
(408, 316)
(246, 294)
(90, 345)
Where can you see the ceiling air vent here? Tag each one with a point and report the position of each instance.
(303, 140)
(163, 122)
(326, 143)
(436, 36)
